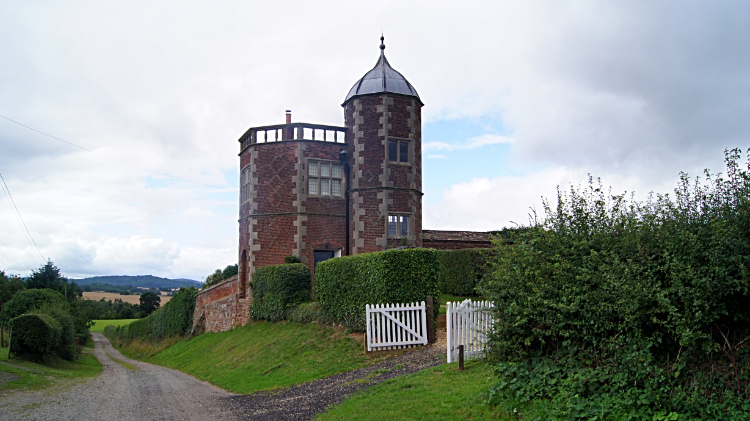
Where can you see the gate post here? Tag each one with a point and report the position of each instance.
(430, 320)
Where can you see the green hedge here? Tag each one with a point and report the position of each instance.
(174, 318)
(609, 308)
(344, 285)
(278, 288)
(34, 336)
(461, 270)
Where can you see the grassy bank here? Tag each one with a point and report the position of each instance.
(40, 376)
(99, 325)
(438, 393)
(259, 356)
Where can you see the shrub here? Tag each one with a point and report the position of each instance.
(35, 336)
(461, 270)
(344, 285)
(277, 288)
(66, 347)
(292, 259)
(615, 309)
(175, 318)
(28, 300)
(309, 313)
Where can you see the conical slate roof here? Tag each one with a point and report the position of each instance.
(381, 79)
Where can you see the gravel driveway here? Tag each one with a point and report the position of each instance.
(149, 392)
(152, 392)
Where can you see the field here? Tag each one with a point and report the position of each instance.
(99, 325)
(132, 299)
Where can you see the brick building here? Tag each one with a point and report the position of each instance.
(318, 191)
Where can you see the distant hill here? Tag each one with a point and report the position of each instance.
(146, 281)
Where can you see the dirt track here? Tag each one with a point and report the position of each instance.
(149, 392)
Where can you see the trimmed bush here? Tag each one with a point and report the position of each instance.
(344, 285)
(174, 318)
(461, 270)
(34, 336)
(28, 300)
(278, 288)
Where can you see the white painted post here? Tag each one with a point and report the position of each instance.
(368, 321)
(448, 323)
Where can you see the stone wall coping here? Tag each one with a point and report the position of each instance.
(225, 281)
(465, 236)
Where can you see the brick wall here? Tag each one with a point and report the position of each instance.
(220, 308)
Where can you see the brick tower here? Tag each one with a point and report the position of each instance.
(382, 113)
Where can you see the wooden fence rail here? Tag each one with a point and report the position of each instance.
(396, 326)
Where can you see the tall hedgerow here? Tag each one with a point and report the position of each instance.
(175, 318)
(461, 270)
(615, 309)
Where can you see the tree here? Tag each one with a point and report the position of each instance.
(9, 286)
(149, 302)
(230, 271)
(47, 276)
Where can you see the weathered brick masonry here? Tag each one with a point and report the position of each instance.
(219, 307)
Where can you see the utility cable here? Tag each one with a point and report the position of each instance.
(119, 160)
(7, 191)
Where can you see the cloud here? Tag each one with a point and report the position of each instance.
(484, 204)
(471, 143)
(631, 91)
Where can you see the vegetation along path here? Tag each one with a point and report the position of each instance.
(125, 390)
(303, 402)
(133, 390)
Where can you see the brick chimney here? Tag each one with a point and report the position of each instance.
(288, 132)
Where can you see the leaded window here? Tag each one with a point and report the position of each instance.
(398, 151)
(324, 178)
(398, 225)
(245, 185)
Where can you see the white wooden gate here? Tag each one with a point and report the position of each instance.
(395, 326)
(468, 324)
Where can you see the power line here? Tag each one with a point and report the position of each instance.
(116, 159)
(7, 190)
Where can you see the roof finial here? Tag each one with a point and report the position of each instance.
(382, 44)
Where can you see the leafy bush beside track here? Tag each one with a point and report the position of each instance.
(616, 309)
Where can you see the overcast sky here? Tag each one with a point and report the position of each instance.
(520, 97)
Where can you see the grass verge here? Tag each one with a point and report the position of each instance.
(40, 376)
(438, 393)
(99, 325)
(122, 363)
(260, 355)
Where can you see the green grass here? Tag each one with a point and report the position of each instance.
(122, 363)
(263, 355)
(99, 325)
(438, 393)
(444, 298)
(46, 375)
